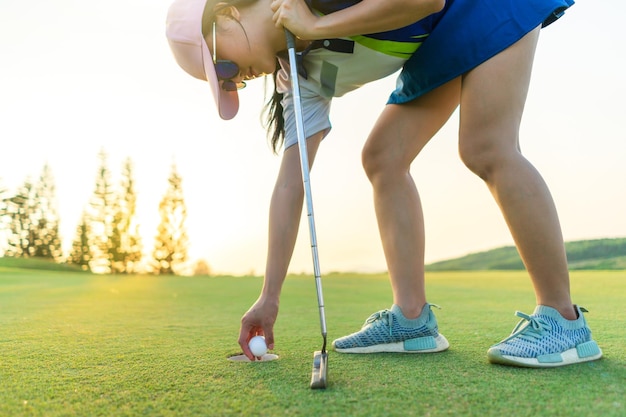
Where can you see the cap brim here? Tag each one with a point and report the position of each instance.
(227, 101)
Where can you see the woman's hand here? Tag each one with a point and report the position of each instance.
(258, 320)
(296, 16)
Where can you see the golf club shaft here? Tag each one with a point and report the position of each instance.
(304, 162)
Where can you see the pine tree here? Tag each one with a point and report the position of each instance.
(80, 253)
(4, 218)
(171, 243)
(45, 221)
(125, 249)
(20, 210)
(33, 223)
(115, 252)
(100, 218)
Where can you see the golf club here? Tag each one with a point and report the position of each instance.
(320, 357)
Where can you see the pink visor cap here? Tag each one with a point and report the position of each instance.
(184, 33)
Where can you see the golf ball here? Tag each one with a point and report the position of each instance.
(257, 346)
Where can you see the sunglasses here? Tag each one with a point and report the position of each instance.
(226, 70)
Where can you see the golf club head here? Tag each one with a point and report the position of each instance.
(320, 369)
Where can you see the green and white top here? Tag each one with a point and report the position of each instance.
(335, 67)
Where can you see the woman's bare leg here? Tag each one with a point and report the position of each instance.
(397, 138)
(492, 102)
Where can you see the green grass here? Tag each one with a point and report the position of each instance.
(37, 264)
(74, 344)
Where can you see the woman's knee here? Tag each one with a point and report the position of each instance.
(380, 161)
(371, 161)
(484, 156)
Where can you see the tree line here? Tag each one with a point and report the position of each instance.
(107, 237)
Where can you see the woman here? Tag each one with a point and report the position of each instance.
(474, 54)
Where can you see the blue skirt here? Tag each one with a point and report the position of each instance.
(469, 33)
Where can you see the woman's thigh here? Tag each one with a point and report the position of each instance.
(402, 130)
(493, 96)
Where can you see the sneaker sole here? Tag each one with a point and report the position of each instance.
(585, 352)
(419, 345)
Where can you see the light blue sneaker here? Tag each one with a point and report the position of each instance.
(545, 339)
(390, 331)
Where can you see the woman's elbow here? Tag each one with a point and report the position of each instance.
(435, 5)
(420, 9)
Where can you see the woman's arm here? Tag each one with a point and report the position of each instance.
(285, 214)
(367, 16)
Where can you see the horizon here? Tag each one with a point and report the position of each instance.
(191, 269)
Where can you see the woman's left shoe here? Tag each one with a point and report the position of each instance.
(545, 340)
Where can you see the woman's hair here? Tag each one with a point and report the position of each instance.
(273, 112)
(211, 10)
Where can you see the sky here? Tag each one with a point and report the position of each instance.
(77, 77)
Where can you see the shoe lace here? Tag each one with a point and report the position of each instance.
(530, 327)
(384, 317)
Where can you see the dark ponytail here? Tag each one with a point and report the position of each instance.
(274, 120)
